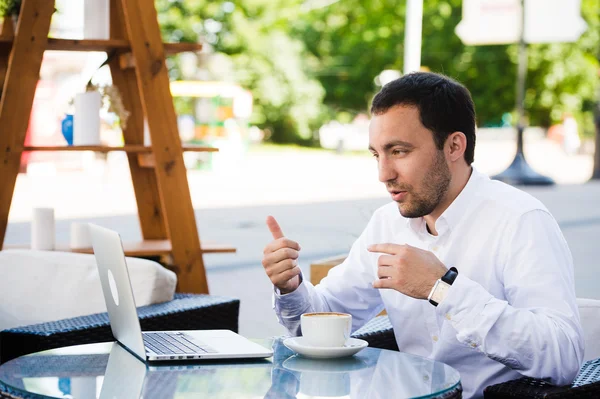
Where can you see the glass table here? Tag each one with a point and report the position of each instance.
(106, 370)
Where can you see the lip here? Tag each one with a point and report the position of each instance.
(398, 195)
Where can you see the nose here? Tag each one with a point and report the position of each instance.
(386, 170)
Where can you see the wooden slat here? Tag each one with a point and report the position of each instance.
(6, 42)
(143, 31)
(141, 248)
(149, 160)
(87, 45)
(145, 186)
(129, 148)
(176, 48)
(146, 161)
(22, 77)
(127, 60)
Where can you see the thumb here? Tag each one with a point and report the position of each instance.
(274, 227)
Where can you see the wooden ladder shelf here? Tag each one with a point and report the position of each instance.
(158, 173)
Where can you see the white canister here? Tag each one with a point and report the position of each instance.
(96, 19)
(80, 236)
(42, 229)
(86, 119)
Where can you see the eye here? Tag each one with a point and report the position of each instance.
(399, 152)
(375, 155)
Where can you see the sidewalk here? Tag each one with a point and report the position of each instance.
(322, 200)
(266, 177)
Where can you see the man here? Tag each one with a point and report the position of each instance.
(506, 308)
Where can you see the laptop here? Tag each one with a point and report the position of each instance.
(124, 375)
(156, 345)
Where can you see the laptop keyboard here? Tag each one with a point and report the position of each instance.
(167, 343)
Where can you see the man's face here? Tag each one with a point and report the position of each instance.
(414, 171)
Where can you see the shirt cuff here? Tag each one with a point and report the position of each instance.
(469, 308)
(293, 301)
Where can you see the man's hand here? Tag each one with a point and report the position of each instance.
(280, 259)
(409, 270)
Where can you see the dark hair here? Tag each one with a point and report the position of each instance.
(445, 106)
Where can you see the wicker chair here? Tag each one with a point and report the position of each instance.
(586, 385)
(379, 333)
(9, 393)
(184, 312)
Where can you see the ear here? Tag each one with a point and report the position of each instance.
(456, 145)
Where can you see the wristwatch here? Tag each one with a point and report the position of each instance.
(440, 289)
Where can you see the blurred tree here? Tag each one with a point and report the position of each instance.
(296, 54)
(563, 77)
(248, 44)
(355, 40)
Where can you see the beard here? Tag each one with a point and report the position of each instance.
(434, 187)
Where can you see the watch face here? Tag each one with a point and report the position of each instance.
(440, 292)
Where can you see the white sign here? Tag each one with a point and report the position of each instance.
(553, 21)
(499, 21)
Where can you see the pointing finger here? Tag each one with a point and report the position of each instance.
(383, 283)
(274, 227)
(391, 249)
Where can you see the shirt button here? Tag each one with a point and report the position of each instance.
(474, 345)
(435, 248)
(448, 316)
(435, 338)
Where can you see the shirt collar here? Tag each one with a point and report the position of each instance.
(457, 209)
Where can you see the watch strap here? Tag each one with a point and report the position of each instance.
(450, 275)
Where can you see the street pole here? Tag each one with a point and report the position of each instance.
(413, 31)
(596, 170)
(519, 172)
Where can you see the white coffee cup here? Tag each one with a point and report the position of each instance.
(326, 329)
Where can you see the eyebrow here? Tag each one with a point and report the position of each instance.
(392, 144)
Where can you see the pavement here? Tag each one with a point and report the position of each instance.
(321, 199)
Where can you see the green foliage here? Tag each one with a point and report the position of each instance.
(257, 53)
(306, 65)
(10, 7)
(355, 40)
(563, 77)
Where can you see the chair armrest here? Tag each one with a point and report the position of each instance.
(523, 388)
(184, 312)
(586, 385)
(379, 333)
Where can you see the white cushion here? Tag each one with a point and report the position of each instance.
(589, 311)
(40, 286)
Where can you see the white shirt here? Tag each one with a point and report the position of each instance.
(510, 312)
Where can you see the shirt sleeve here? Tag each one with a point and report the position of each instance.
(348, 288)
(536, 330)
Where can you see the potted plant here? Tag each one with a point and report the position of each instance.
(87, 106)
(111, 98)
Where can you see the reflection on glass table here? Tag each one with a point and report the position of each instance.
(107, 370)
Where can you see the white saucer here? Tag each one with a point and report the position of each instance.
(303, 364)
(299, 345)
